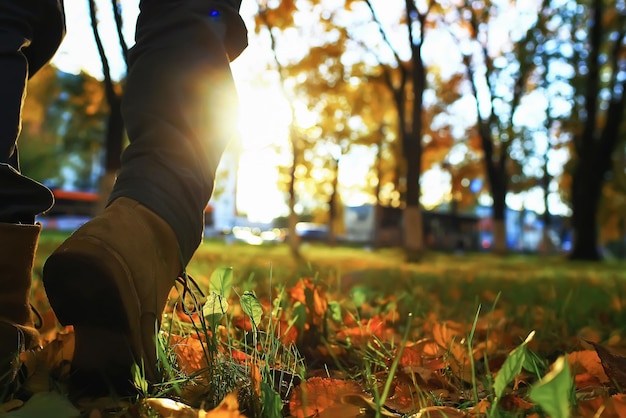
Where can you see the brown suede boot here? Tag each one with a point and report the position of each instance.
(111, 280)
(18, 244)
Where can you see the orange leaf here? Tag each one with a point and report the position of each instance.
(601, 407)
(446, 332)
(228, 408)
(411, 357)
(319, 394)
(170, 408)
(587, 368)
(614, 365)
(288, 335)
(189, 352)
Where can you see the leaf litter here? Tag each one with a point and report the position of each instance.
(306, 351)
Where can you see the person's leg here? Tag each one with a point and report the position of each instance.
(30, 33)
(179, 109)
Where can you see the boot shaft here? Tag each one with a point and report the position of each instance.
(18, 245)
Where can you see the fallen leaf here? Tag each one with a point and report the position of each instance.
(353, 406)
(170, 408)
(447, 332)
(189, 353)
(228, 408)
(587, 368)
(614, 365)
(318, 394)
(54, 356)
(459, 361)
(514, 403)
(603, 407)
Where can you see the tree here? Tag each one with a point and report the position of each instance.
(407, 82)
(347, 106)
(115, 132)
(499, 72)
(598, 54)
(342, 99)
(275, 19)
(63, 126)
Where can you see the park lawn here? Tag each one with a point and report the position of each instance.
(357, 330)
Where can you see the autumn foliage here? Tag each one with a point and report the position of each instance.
(314, 350)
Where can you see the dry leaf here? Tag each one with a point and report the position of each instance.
(587, 368)
(614, 365)
(318, 394)
(189, 353)
(602, 407)
(228, 408)
(55, 355)
(171, 409)
(459, 361)
(447, 332)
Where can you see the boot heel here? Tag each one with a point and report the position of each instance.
(102, 361)
(115, 273)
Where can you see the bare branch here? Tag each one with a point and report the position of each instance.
(383, 33)
(117, 15)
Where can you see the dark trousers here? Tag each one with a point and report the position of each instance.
(30, 33)
(179, 108)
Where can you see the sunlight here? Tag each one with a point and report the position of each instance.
(264, 128)
(258, 196)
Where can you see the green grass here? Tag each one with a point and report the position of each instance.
(562, 301)
(568, 295)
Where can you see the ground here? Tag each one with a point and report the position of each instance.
(352, 332)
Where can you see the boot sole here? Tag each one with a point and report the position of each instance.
(89, 287)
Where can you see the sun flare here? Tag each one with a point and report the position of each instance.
(264, 128)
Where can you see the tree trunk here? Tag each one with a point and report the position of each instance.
(413, 234)
(585, 200)
(496, 174)
(595, 147)
(332, 208)
(413, 227)
(499, 237)
(547, 246)
(293, 237)
(114, 137)
(378, 212)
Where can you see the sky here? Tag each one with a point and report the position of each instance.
(264, 112)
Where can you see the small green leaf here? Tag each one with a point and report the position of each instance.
(215, 305)
(511, 367)
(298, 316)
(272, 404)
(335, 311)
(360, 295)
(222, 281)
(252, 307)
(553, 393)
(139, 378)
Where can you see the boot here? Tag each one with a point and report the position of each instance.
(18, 244)
(110, 280)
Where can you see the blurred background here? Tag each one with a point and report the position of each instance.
(446, 125)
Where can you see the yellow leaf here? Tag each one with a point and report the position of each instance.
(228, 408)
(170, 408)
